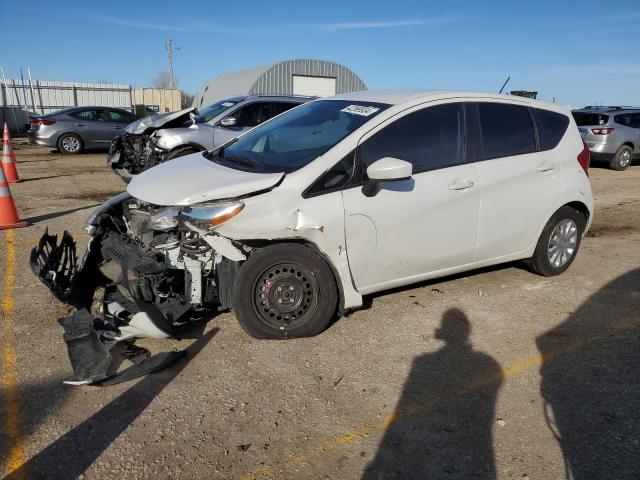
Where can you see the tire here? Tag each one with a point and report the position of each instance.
(622, 159)
(274, 275)
(70, 144)
(180, 152)
(564, 229)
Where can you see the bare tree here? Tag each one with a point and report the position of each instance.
(163, 80)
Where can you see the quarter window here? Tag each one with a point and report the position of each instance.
(506, 130)
(429, 139)
(551, 128)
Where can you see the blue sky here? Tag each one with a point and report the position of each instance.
(580, 52)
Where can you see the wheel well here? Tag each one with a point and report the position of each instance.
(194, 146)
(580, 207)
(628, 144)
(302, 241)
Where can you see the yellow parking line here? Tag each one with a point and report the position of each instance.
(416, 409)
(8, 381)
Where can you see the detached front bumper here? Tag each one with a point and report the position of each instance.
(96, 343)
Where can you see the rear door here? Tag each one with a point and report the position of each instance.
(520, 184)
(89, 123)
(426, 223)
(116, 121)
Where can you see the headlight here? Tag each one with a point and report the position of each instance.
(164, 220)
(206, 217)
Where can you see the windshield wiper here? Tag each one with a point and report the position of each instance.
(254, 164)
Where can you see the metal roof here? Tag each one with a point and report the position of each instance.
(276, 78)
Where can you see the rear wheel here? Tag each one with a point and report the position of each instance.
(559, 242)
(622, 158)
(69, 144)
(285, 291)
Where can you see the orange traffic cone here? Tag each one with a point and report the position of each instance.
(8, 157)
(8, 213)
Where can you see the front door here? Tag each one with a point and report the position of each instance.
(424, 224)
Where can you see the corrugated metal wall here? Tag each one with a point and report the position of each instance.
(279, 78)
(43, 96)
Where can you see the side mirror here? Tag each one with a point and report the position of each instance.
(228, 122)
(193, 116)
(386, 169)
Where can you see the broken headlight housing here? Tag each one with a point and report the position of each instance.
(209, 216)
(165, 219)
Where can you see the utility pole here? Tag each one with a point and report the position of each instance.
(169, 46)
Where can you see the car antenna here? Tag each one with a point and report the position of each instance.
(504, 85)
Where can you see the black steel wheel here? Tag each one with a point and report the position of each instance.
(285, 291)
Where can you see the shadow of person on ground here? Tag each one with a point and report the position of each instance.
(442, 426)
(74, 452)
(591, 383)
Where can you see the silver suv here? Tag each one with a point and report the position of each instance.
(159, 138)
(611, 133)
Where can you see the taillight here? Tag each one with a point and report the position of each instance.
(42, 121)
(584, 157)
(602, 131)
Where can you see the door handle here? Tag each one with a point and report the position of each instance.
(80, 125)
(461, 185)
(546, 167)
(117, 128)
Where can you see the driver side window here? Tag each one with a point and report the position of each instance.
(429, 139)
(253, 114)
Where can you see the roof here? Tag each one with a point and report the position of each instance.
(395, 97)
(591, 109)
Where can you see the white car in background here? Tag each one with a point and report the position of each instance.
(297, 219)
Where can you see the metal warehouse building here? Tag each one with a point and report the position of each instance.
(290, 77)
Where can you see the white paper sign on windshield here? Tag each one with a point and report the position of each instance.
(363, 110)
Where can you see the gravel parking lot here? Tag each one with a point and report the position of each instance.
(495, 373)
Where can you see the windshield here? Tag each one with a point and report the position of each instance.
(213, 110)
(297, 137)
(583, 118)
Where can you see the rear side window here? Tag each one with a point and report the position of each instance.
(431, 138)
(551, 128)
(506, 130)
(625, 119)
(587, 119)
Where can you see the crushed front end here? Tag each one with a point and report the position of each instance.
(146, 270)
(131, 154)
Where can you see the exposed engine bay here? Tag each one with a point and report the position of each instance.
(137, 150)
(145, 268)
(131, 154)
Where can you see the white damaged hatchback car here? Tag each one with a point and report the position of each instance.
(294, 221)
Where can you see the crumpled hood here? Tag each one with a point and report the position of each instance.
(154, 122)
(194, 179)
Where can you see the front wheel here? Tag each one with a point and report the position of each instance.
(558, 243)
(285, 291)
